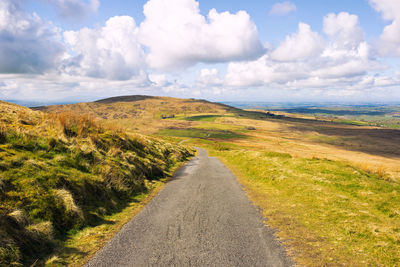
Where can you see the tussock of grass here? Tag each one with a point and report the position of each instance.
(61, 173)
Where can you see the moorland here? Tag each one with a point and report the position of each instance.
(328, 187)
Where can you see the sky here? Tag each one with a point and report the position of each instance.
(258, 50)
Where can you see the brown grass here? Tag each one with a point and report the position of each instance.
(74, 124)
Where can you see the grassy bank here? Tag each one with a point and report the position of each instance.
(323, 209)
(62, 173)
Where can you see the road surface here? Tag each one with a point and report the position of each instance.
(201, 218)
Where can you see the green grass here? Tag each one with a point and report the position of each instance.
(52, 186)
(323, 209)
(350, 122)
(210, 118)
(200, 133)
(220, 126)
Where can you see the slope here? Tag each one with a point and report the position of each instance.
(63, 172)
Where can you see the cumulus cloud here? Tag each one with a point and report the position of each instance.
(304, 44)
(389, 43)
(306, 60)
(209, 77)
(343, 29)
(28, 44)
(112, 51)
(264, 71)
(282, 8)
(159, 80)
(75, 8)
(53, 86)
(178, 36)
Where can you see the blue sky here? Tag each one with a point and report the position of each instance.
(271, 27)
(243, 50)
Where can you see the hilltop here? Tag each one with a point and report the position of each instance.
(143, 113)
(62, 172)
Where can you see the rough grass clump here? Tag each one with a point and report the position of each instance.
(3, 134)
(65, 172)
(74, 124)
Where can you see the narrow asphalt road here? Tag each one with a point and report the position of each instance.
(201, 218)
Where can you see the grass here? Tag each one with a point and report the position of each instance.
(329, 186)
(80, 246)
(209, 118)
(200, 133)
(323, 209)
(62, 173)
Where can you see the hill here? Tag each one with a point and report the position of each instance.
(143, 114)
(330, 188)
(62, 172)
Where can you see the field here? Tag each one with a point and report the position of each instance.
(387, 116)
(329, 187)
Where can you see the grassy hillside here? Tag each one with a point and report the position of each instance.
(62, 172)
(330, 189)
(143, 113)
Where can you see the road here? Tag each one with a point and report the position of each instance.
(201, 218)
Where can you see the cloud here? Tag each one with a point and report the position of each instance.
(50, 87)
(209, 77)
(264, 71)
(344, 29)
(389, 43)
(28, 44)
(306, 60)
(75, 8)
(178, 36)
(159, 80)
(112, 51)
(304, 44)
(282, 8)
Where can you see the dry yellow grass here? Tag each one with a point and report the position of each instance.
(66, 171)
(82, 246)
(328, 220)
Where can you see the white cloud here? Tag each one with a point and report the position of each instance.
(306, 60)
(63, 87)
(264, 71)
(75, 8)
(115, 58)
(304, 44)
(28, 44)
(178, 36)
(112, 51)
(282, 8)
(209, 77)
(343, 29)
(389, 43)
(159, 80)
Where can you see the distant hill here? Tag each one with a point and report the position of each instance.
(138, 105)
(138, 112)
(129, 98)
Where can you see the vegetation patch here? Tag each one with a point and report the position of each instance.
(323, 209)
(210, 118)
(67, 173)
(201, 133)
